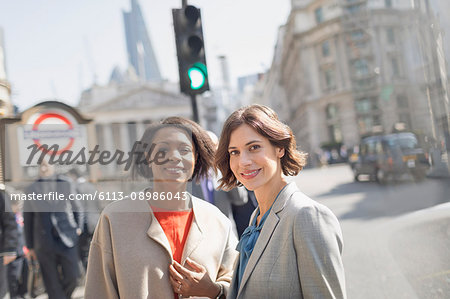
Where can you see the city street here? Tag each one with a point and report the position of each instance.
(367, 82)
(396, 236)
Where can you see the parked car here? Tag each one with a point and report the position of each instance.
(391, 157)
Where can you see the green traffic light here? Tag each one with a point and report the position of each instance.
(197, 74)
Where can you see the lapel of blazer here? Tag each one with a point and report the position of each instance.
(195, 235)
(156, 233)
(267, 231)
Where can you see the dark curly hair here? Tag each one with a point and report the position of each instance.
(264, 121)
(203, 147)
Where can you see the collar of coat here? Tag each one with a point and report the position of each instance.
(195, 235)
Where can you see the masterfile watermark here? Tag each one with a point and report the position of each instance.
(94, 156)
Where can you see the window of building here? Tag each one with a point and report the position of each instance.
(326, 48)
(335, 133)
(357, 35)
(363, 106)
(334, 129)
(388, 3)
(354, 8)
(376, 120)
(390, 35)
(319, 15)
(395, 66)
(329, 78)
(366, 105)
(361, 67)
(332, 111)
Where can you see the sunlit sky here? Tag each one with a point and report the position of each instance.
(53, 47)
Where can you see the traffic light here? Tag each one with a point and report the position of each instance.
(187, 23)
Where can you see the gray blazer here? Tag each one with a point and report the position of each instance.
(298, 253)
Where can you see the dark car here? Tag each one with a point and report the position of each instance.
(391, 157)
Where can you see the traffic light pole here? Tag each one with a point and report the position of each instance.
(192, 68)
(194, 108)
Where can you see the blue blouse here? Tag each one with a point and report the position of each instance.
(248, 241)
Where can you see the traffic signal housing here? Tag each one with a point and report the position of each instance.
(187, 23)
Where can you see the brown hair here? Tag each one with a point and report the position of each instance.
(203, 147)
(264, 121)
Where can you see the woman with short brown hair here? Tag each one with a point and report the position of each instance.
(293, 246)
(264, 121)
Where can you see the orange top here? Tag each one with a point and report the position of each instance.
(176, 225)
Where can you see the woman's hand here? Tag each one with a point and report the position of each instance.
(192, 280)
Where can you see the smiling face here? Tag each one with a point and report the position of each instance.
(254, 161)
(179, 156)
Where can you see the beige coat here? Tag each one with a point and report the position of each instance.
(130, 254)
(297, 254)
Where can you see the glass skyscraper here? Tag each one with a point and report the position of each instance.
(139, 46)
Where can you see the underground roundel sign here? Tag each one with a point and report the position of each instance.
(53, 132)
(53, 118)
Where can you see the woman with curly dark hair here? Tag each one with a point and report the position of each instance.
(163, 242)
(293, 246)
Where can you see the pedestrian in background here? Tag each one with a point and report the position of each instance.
(208, 189)
(293, 247)
(150, 246)
(8, 240)
(243, 212)
(91, 209)
(17, 270)
(51, 231)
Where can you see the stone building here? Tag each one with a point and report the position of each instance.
(342, 69)
(122, 110)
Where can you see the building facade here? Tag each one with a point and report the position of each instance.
(344, 69)
(122, 111)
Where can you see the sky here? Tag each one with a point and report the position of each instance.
(54, 47)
